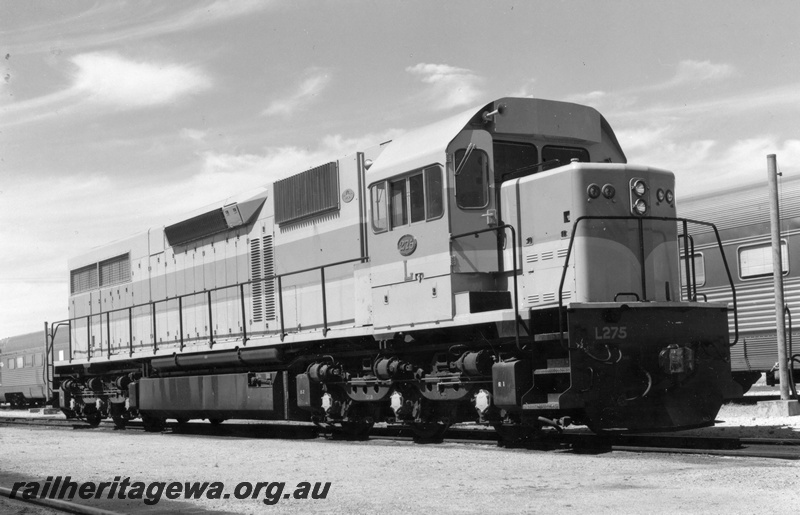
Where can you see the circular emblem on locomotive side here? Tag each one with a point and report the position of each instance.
(407, 244)
(348, 195)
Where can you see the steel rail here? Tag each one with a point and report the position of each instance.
(577, 440)
(58, 504)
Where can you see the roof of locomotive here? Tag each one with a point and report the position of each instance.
(427, 145)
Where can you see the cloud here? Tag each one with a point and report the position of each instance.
(526, 90)
(701, 71)
(701, 165)
(108, 23)
(108, 79)
(309, 89)
(193, 135)
(112, 79)
(448, 86)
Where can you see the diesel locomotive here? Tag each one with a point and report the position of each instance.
(505, 266)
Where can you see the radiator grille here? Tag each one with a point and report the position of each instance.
(307, 194)
(83, 279)
(115, 270)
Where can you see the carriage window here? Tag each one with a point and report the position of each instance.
(11, 363)
(472, 181)
(564, 156)
(756, 260)
(397, 203)
(28, 360)
(19, 362)
(699, 270)
(433, 192)
(61, 355)
(380, 221)
(514, 160)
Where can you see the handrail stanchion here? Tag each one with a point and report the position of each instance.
(280, 307)
(108, 332)
(497, 230)
(180, 319)
(210, 322)
(130, 331)
(155, 327)
(641, 259)
(88, 337)
(244, 315)
(324, 303)
(686, 259)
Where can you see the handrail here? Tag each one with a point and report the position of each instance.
(179, 298)
(497, 229)
(685, 222)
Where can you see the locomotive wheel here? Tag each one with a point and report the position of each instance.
(152, 424)
(357, 430)
(93, 418)
(216, 421)
(429, 431)
(181, 421)
(511, 434)
(119, 421)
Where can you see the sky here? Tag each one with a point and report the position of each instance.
(116, 116)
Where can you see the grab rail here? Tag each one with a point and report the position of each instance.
(209, 301)
(640, 227)
(497, 229)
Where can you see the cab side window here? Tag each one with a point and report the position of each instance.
(472, 179)
(380, 203)
(398, 203)
(417, 197)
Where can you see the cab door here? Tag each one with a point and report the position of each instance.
(409, 250)
(473, 203)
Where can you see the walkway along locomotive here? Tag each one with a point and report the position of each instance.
(504, 265)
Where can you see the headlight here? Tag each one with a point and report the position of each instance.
(639, 207)
(670, 196)
(638, 187)
(660, 195)
(593, 191)
(609, 191)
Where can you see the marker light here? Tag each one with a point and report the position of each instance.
(660, 195)
(670, 196)
(639, 207)
(638, 187)
(609, 191)
(593, 191)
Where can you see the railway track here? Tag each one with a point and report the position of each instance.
(577, 440)
(16, 504)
